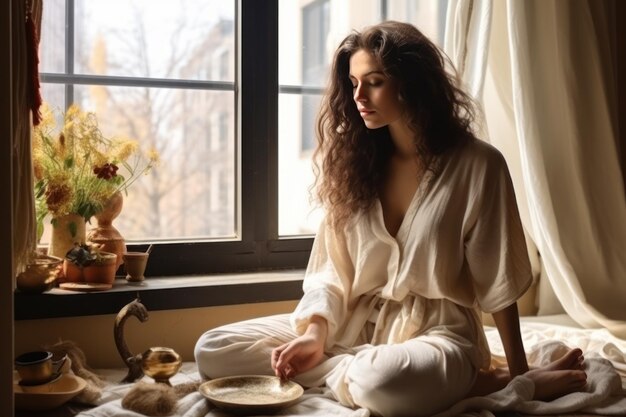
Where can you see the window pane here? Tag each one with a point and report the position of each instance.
(54, 95)
(428, 15)
(191, 39)
(191, 194)
(309, 33)
(52, 46)
(296, 214)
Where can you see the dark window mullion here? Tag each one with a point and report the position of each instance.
(122, 81)
(383, 10)
(259, 122)
(272, 131)
(300, 89)
(69, 51)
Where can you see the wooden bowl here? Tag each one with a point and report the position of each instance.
(40, 275)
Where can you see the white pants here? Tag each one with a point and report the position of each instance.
(419, 377)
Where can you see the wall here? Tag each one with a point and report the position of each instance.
(177, 329)
(6, 261)
(620, 16)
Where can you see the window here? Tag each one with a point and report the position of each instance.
(315, 59)
(229, 104)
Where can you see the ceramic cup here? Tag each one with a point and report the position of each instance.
(135, 265)
(37, 367)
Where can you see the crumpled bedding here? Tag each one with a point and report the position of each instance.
(605, 394)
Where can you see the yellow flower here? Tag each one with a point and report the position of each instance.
(123, 149)
(72, 112)
(48, 122)
(97, 158)
(153, 156)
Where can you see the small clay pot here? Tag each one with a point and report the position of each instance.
(72, 272)
(101, 271)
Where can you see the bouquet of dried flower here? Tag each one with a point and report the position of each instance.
(76, 167)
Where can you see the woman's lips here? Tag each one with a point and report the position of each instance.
(365, 112)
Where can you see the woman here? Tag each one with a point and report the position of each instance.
(422, 231)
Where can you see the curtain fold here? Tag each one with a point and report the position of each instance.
(25, 229)
(468, 25)
(468, 45)
(549, 100)
(543, 72)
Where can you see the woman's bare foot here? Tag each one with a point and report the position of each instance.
(573, 359)
(563, 376)
(560, 377)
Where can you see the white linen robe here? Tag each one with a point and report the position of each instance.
(460, 248)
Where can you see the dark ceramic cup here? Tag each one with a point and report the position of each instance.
(37, 367)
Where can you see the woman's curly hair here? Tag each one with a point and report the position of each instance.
(351, 160)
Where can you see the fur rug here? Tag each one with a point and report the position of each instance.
(78, 365)
(154, 399)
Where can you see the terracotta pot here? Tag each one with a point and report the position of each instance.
(71, 272)
(102, 271)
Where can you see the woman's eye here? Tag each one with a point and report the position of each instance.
(376, 83)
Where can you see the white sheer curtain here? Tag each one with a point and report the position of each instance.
(468, 27)
(549, 106)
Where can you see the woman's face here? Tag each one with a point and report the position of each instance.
(375, 94)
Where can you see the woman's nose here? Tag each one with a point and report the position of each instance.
(359, 93)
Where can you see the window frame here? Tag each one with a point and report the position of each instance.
(256, 96)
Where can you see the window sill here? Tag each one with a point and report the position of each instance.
(164, 293)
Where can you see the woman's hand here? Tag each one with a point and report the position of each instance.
(302, 353)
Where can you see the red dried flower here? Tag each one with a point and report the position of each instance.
(106, 171)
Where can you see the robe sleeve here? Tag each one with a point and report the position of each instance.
(326, 285)
(495, 247)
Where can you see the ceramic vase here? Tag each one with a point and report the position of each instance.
(67, 231)
(104, 235)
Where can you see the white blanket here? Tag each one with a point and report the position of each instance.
(605, 358)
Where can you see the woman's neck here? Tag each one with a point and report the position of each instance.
(403, 138)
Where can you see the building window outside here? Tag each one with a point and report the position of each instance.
(221, 68)
(315, 59)
(167, 74)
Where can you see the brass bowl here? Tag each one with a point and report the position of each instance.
(251, 394)
(40, 274)
(161, 363)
